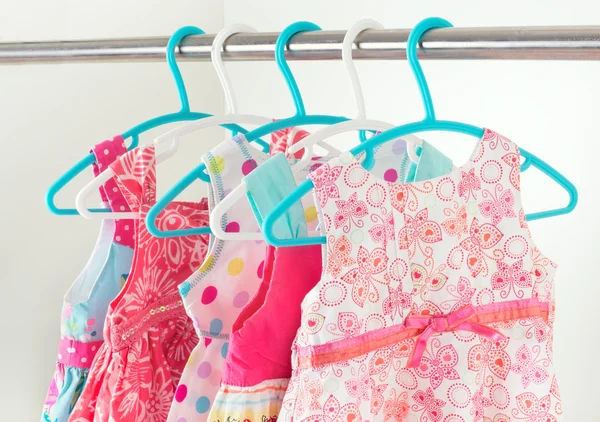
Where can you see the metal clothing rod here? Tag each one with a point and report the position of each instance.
(503, 43)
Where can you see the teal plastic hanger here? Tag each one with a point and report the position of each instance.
(182, 115)
(301, 118)
(429, 123)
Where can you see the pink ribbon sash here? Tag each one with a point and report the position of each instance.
(456, 321)
(475, 319)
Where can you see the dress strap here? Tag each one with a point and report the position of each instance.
(268, 185)
(136, 177)
(106, 153)
(432, 163)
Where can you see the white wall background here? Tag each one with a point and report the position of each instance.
(50, 115)
(53, 113)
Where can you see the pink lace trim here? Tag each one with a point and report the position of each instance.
(164, 309)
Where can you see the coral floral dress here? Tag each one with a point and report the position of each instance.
(148, 336)
(435, 304)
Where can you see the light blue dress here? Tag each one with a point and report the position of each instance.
(87, 300)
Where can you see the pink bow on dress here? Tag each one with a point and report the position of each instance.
(455, 321)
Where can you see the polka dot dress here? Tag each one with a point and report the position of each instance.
(215, 295)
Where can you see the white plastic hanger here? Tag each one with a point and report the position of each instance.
(216, 216)
(231, 106)
(231, 115)
(361, 122)
(239, 192)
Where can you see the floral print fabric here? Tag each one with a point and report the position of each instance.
(148, 336)
(420, 261)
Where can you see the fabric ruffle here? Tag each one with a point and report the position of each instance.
(138, 382)
(65, 388)
(259, 403)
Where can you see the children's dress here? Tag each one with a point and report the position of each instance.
(258, 366)
(85, 304)
(228, 278)
(444, 315)
(148, 336)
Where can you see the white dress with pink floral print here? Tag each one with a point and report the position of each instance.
(435, 305)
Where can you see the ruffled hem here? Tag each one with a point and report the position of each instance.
(65, 388)
(467, 379)
(259, 403)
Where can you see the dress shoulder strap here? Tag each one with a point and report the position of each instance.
(106, 153)
(268, 185)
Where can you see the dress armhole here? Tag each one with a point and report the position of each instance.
(542, 268)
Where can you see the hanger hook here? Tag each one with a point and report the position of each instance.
(414, 39)
(349, 41)
(217, 61)
(172, 45)
(280, 46)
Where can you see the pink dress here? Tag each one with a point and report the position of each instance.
(148, 336)
(258, 365)
(435, 304)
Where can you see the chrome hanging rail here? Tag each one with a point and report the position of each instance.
(503, 43)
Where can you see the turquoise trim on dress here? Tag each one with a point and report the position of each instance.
(267, 186)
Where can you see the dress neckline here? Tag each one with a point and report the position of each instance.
(349, 159)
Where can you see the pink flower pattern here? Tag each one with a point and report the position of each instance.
(396, 301)
(482, 239)
(459, 240)
(349, 212)
(396, 408)
(426, 402)
(439, 366)
(418, 229)
(532, 409)
(457, 225)
(511, 277)
(469, 183)
(338, 256)
(360, 386)
(490, 356)
(324, 179)
(362, 277)
(332, 411)
(514, 162)
(499, 207)
(531, 369)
